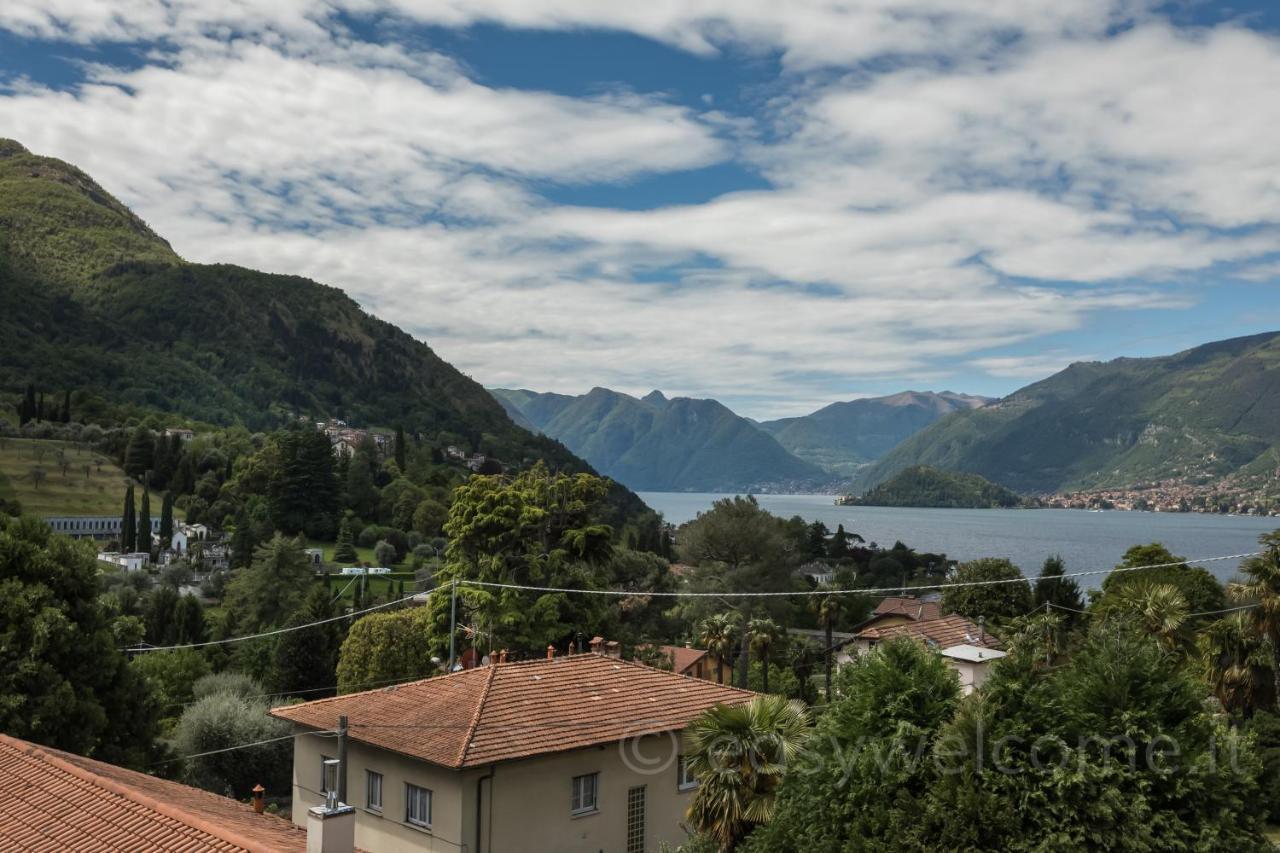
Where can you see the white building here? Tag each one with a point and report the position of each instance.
(133, 562)
(971, 663)
(102, 528)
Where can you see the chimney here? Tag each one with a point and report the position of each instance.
(551, 652)
(982, 630)
(331, 828)
(258, 805)
(502, 656)
(613, 649)
(597, 645)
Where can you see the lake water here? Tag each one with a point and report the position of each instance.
(1086, 540)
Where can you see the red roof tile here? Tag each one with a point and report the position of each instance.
(514, 710)
(909, 606)
(682, 658)
(946, 631)
(55, 801)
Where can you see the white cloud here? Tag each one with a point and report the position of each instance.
(918, 216)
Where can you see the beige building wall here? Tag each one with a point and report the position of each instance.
(525, 805)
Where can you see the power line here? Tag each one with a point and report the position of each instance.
(277, 631)
(242, 746)
(882, 591)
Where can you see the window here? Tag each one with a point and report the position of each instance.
(373, 791)
(584, 793)
(635, 820)
(417, 805)
(685, 780)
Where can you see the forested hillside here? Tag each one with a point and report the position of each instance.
(1205, 413)
(95, 302)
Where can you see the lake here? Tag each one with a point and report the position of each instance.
(1086, 540)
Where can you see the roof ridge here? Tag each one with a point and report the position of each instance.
(121, 789)
(475, 716)
(382, 689)
(639, 665)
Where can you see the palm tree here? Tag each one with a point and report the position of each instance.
(762, 634)
(716, 633)
(828, 608)
(1263, 590)
(739, 754)
(1238, 663)
(1161, 610)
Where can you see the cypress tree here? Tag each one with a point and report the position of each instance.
(400, 448)
(66, 408)
(166, 521)
(128, 532)
(40, 407)
(144, 522)
(27, 410)
(139, 456)
(345, 552)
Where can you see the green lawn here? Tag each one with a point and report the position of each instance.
(381, 586)
(32, 471)
(365, 555)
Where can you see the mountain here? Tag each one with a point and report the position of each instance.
(845, 436)
(1202, 414)
(93, 300)
(660, 444)
(922, 486)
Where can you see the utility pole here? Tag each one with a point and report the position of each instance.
(342, 759)
(453, 623)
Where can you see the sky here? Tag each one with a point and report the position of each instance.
(778, 205)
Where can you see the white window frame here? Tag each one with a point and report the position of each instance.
(578, 801)
(370, 777)
(410, 791)
(685, 781)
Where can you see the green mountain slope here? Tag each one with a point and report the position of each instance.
(1208, 412)
(91, 299)
(658, 444)
(922, 486)
(844, 436)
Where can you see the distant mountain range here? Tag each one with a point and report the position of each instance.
(1200, 415)
(659, 444)
(843, 437)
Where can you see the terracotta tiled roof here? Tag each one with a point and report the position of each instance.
(682, 658)
(908, 606)
(514, 710)
(55, 801)
(946, 631)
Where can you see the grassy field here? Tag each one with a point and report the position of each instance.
(381, 586)
(60, 478)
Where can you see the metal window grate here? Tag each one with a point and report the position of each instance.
(635, 820)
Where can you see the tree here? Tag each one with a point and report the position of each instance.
(828, 608)
(1263, 590)
(188, 620)
(360, 495)
(307, 660)
(1201, 590)
(63, 681)
(534, 528)
(172, 676)
(1239, 663)
(159, 612)
(762, 634)
(144, 522)
(857, 784)
(839, 547)
(1156, 609)
(138, 455)
(401, 450)
(128, 523)
(1005, 600)
(384, 553)
(385, 647)
(1055, 590)
(65, 417)
(345, 551)
(38, 475)
(429, 517)
(739, 754)
(302, 492)
(225, 719)
(267, 593)
(166, 521)
(27, 409)
(717, 634)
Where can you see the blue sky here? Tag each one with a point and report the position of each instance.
(777, 205)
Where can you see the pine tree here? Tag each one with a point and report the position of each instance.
(128, 530)
(401, 451)
(242, 539)
(166, 521)
(188, 620)
(144, 522)
(139, 456)
(345, 552)
(307, 659)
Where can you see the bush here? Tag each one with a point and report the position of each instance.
(224, 719)
(229, 683)
(384, 553)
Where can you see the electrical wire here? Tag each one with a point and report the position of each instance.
(242, 746)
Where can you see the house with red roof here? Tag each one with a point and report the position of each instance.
(578, 753)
